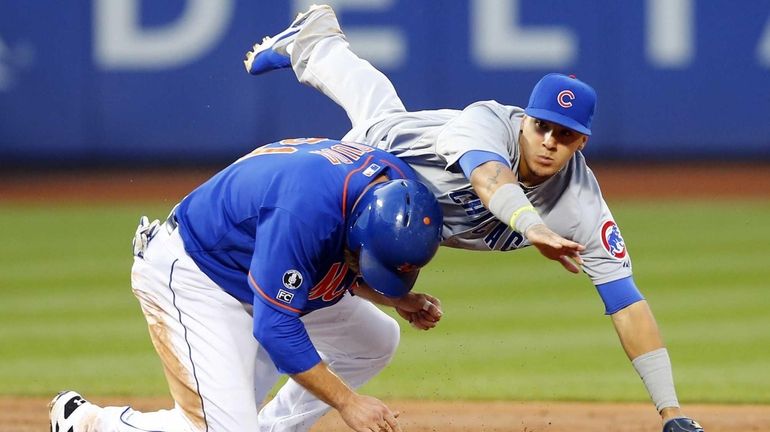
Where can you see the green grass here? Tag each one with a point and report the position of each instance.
(516, 326)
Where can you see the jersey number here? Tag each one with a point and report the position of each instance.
(282, 150)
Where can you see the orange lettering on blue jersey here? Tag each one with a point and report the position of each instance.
(332, 156)
(300, 141)
(267, 150)
(346, 153)
(331, 286)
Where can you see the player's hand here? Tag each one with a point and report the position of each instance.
(368, 414)
(423, 311)
(556, 247)
(144, 233)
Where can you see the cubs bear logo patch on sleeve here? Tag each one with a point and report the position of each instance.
(612, 240)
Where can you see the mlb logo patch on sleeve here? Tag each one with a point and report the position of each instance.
(371, 170)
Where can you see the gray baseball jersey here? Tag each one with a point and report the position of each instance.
(570, 202)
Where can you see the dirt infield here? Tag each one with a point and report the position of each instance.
(671, 182)
(30, 415)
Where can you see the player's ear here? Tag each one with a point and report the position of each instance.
(583, 144)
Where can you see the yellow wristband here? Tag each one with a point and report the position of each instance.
(517, 213)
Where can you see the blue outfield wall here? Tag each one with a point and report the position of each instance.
(140, 81)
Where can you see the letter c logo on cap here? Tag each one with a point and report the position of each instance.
(565, 98)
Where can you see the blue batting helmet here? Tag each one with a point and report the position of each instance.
(395, 227)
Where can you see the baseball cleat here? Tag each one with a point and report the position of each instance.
(66, 410)
(682, 424)
(274, 52)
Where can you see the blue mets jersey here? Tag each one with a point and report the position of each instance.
(270, 230)
(271, 226)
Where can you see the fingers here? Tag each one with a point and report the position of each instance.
(432, 310)
(388, 424)
(542, 236)
(412, 317)
(557, 242)
(571, 261)
(555, 247)
(577, 258)
(392, 423)
(419, 323)
(368, 414)
(415, 302)
(404, 314)
(423, 321)
(568, 264)
(422, 311)
(429, 316)
(569, 244)
(433, 300)
(426, 304)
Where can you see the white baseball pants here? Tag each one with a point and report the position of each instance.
(217, 372)
(321, 58)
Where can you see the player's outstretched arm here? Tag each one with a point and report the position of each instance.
(361, 413)
(643, 344)
(498, 188)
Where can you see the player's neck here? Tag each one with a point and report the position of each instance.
(527, 178)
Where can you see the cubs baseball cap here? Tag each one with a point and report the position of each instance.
(564, 100)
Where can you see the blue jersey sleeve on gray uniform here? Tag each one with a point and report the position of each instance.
(472, 159)
(619, 294)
